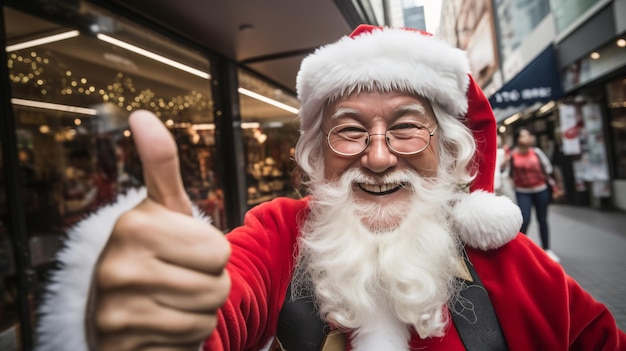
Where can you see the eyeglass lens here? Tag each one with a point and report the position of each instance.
(404, 138)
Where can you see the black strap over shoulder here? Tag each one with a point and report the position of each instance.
(299, 325)
(474, 317)
(301, 329)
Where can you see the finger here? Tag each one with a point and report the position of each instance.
(127, 311)
(159, 158)
(188, 292)
(192, 299)
(143, 322)
(175, 238)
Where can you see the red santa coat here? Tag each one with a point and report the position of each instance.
(538, 305)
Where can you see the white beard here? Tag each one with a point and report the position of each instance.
(379, 270)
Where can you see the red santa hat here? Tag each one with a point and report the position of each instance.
(382, 58)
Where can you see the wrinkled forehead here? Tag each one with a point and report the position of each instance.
(339, 105)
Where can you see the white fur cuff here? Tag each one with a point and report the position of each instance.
(62, 313)
(61, 325)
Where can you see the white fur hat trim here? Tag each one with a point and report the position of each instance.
(392, 58)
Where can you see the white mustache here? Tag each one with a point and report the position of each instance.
(396, 177)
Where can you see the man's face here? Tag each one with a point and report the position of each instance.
(378, 112)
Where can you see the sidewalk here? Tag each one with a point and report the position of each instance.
(592, 247)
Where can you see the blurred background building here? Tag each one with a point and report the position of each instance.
(558, 68)
(221, 76)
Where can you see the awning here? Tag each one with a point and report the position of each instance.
(539, 82)
(503, 113)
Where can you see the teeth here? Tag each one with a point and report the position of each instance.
(374, 188)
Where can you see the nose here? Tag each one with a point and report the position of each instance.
(377, 157)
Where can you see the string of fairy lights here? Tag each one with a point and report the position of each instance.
(36, 71)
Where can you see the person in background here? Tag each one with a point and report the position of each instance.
(500, 163)
(534, 184)
(400, 244)
(502, 182)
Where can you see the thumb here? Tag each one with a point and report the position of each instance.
(159, 158)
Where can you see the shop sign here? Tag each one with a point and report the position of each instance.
(538, 82)
(524, 96)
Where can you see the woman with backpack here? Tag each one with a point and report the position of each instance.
(534, 185)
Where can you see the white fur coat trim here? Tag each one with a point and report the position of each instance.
(382, 332)
(61, 325)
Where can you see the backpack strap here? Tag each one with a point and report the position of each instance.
(300, 327)
(473, 315)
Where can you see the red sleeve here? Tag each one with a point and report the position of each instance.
(539, 306)
(260, 268)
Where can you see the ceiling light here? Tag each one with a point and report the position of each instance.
(512, 119)
(595, 55)
(153, 56)
(545, 108)
(621, 42)
(203, 126)
(268, 100)
(250, 125)
(44, 40)
(56, 107)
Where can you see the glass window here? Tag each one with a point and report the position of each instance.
(516, 20)
(616, 96)
(9, 288)
(567, 11)
(72, 94)
(270, 129)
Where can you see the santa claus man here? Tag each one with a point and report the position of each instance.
(400, 245)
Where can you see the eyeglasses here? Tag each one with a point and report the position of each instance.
(406, 138)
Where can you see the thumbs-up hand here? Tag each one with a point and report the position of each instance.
(161, 277)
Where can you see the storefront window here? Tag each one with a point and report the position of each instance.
(616, 96)
(9, 289)
(516, 20)
(72, 94)
(567, 11)
(270, 129)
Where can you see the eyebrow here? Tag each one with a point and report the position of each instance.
(414, 108)
(345, 111)
(397, 112)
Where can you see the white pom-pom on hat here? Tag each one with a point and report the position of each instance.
(486, 221)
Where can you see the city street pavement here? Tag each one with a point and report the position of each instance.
(592, 246)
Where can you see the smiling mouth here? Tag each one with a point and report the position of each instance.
(380, 189)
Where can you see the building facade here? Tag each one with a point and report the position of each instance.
(559, 69)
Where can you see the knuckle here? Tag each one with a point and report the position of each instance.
(222, 250)
(223, 287)
(111, 318)
(194, 329)
(205, 327)
(116, 271)
(130, 224)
